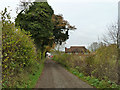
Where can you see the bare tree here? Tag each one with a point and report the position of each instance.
(95, 45)
(23, 5)
(111, 36)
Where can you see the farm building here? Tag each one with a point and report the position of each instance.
(76, 50)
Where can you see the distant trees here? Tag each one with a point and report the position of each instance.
(95, 45)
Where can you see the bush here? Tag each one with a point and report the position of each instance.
(19, 55)
(63, 59)
(105, 63)
(101, 65)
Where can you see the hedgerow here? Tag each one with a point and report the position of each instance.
(19, 54)
(100, 65)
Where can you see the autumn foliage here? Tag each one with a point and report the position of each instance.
(18, 53)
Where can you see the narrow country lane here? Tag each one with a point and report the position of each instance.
(55, 76)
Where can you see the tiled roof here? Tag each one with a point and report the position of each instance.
(76, 49)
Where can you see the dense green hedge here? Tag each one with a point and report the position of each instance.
(18, 55)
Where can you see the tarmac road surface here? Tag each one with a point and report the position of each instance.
(55, 76)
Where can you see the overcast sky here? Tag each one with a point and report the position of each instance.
(91, 17)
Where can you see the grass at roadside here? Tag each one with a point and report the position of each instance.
(34, 78)
(101, 84)
(95, 82)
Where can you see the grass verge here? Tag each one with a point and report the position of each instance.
(96, 83)
(34, 78)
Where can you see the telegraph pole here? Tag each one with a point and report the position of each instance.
(118, 43)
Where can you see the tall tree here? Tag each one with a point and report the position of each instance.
(37, 20)
(61, 29)
(46, 28)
